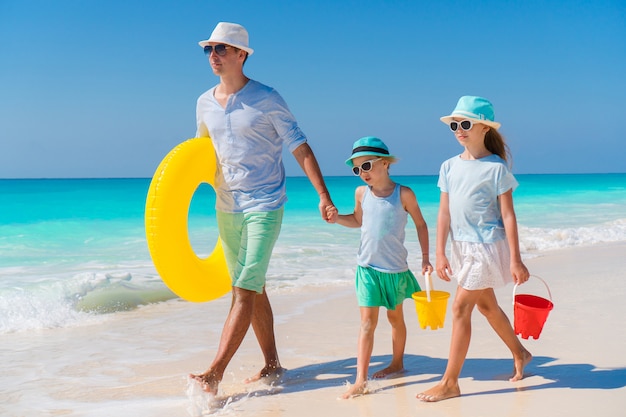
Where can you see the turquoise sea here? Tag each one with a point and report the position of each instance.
(74, 250)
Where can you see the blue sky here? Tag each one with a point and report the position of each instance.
(106, 88)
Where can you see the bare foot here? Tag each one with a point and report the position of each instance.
(355, 390)
(391, 370)
(268, 374)
(208, 380)
(519, 363)
(439, 392)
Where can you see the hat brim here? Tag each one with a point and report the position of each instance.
(448, 119)
(350, 163)
(204, 43)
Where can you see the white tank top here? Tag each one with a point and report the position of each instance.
(382, 233)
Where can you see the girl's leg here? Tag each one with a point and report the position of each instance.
(398, 342)
(488, 306)
(369, 320)
(462, 308)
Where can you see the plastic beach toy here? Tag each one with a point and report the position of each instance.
(174, 183)
(431, 306)
(530, 312)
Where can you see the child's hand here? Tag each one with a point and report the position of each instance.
(332, 214)
(443, 268)
(426, 267)
(519, 272)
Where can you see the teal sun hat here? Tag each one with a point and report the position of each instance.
(476, 109)
(367, 146)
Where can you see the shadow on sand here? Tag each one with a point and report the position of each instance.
(574, 376)
(337, 373)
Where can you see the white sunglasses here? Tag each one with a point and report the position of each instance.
(365, 166)
(463, 124)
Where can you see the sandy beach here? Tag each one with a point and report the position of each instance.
(136, 363)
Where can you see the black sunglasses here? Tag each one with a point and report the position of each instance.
(219, 49)
(464, 124)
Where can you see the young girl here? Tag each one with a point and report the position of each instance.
(476, 210)
(383, 277)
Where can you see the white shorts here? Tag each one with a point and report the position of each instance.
(477, 266)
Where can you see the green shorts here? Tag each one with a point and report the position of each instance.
(248, 240)
(384, 289)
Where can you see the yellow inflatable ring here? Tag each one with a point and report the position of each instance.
(167, 209)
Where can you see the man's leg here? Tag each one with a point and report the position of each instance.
(248, 240)
(262, 230)
(235, 329)
(263, 325)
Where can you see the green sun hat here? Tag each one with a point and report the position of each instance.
(368, 146)
(476, 109)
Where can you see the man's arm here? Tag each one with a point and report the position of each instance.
(305, 157)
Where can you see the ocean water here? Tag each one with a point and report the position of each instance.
(73, 251)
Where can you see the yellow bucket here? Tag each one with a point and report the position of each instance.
(431, 306)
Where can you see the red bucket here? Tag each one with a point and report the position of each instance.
(530, 312)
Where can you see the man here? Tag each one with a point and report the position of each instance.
(249, 124)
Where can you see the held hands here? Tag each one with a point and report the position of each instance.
(331, 214)
(326, 206)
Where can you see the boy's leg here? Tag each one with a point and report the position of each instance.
(369, 320)
(398, 343)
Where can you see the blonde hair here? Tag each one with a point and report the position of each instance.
(390, 159)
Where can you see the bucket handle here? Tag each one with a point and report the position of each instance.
(540, 279)
(429, 285)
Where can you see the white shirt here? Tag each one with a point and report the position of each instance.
(248, 136)
(473, 187)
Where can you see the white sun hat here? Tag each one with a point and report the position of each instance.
(230, 34)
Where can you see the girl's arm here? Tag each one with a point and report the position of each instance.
(409, 202)
(349, 220)
(443, 229)
(518, 269)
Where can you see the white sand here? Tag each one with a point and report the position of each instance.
(136, 363)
